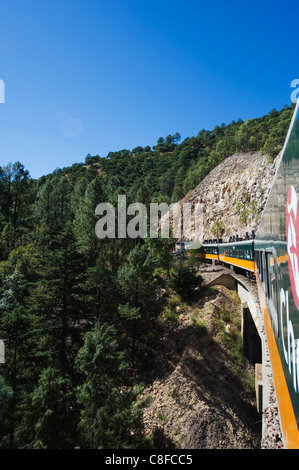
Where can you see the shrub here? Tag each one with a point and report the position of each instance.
(185, 281)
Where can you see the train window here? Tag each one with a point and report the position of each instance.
(260, 263)
(271, 281)
(262, 266)
(267, 277)
(257, 260)
(272, 290)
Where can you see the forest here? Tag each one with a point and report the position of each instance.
(79, 315)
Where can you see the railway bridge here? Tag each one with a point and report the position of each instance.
(255, 348)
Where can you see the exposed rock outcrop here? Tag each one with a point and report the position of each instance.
(234, 193)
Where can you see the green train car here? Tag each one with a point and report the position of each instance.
(238, 254)
(276, 257)
(211, 252)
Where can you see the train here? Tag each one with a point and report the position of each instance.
(236, 254)
(271, 257)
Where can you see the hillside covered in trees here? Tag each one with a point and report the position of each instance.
(78, 314)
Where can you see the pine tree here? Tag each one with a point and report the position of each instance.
(101, 291)
(139, 288)
(49, 416)
(85, 220)
(110, 418)
(57, 297)
(6, 396)
(52, 205)
(21, 333)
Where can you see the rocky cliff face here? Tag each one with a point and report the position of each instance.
(234, 194)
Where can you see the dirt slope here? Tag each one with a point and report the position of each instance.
(202, 389)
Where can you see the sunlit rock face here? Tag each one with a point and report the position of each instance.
(234, 194)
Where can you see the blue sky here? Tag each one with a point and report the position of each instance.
(93, 76)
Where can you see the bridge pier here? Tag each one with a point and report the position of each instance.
(252, 348)
(252, 344)
(256, 350)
